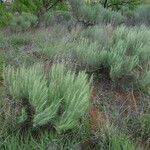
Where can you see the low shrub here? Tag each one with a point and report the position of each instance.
(125, 50)
(90, 54)
(107, 16)
(60, 98)
(95, 14)
(142, 15)
(57, 17)
(130, 49)
(100, 34)
(23, 22)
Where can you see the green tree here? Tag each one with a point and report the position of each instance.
(117, 4)
(36, 6)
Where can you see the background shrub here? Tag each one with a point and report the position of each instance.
(23, 22)
(142, 15)
(95, 14)
(57, 17)
(109, 16)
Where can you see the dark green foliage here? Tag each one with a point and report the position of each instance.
(30, 6)
(23, 22)
(118, 4)
(119, 142)
(5, 15)
(38, 6)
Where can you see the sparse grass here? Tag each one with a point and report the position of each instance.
(20, 39)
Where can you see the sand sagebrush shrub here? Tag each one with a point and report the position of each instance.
(100, 34)
(107, 16)
(131, 46)
(23, 22)
(60, 98)
(57, 17)
(76, 92)
(94, 14)
(126, 49)
(90, 54)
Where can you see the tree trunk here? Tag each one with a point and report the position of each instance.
(105, 3)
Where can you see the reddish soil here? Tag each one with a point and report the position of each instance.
(97, 118)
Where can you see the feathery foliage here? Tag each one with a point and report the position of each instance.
(90, 54)
(60, 98)
(75, 93)
(129, 48)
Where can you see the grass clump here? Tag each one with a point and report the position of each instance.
(121, 142)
